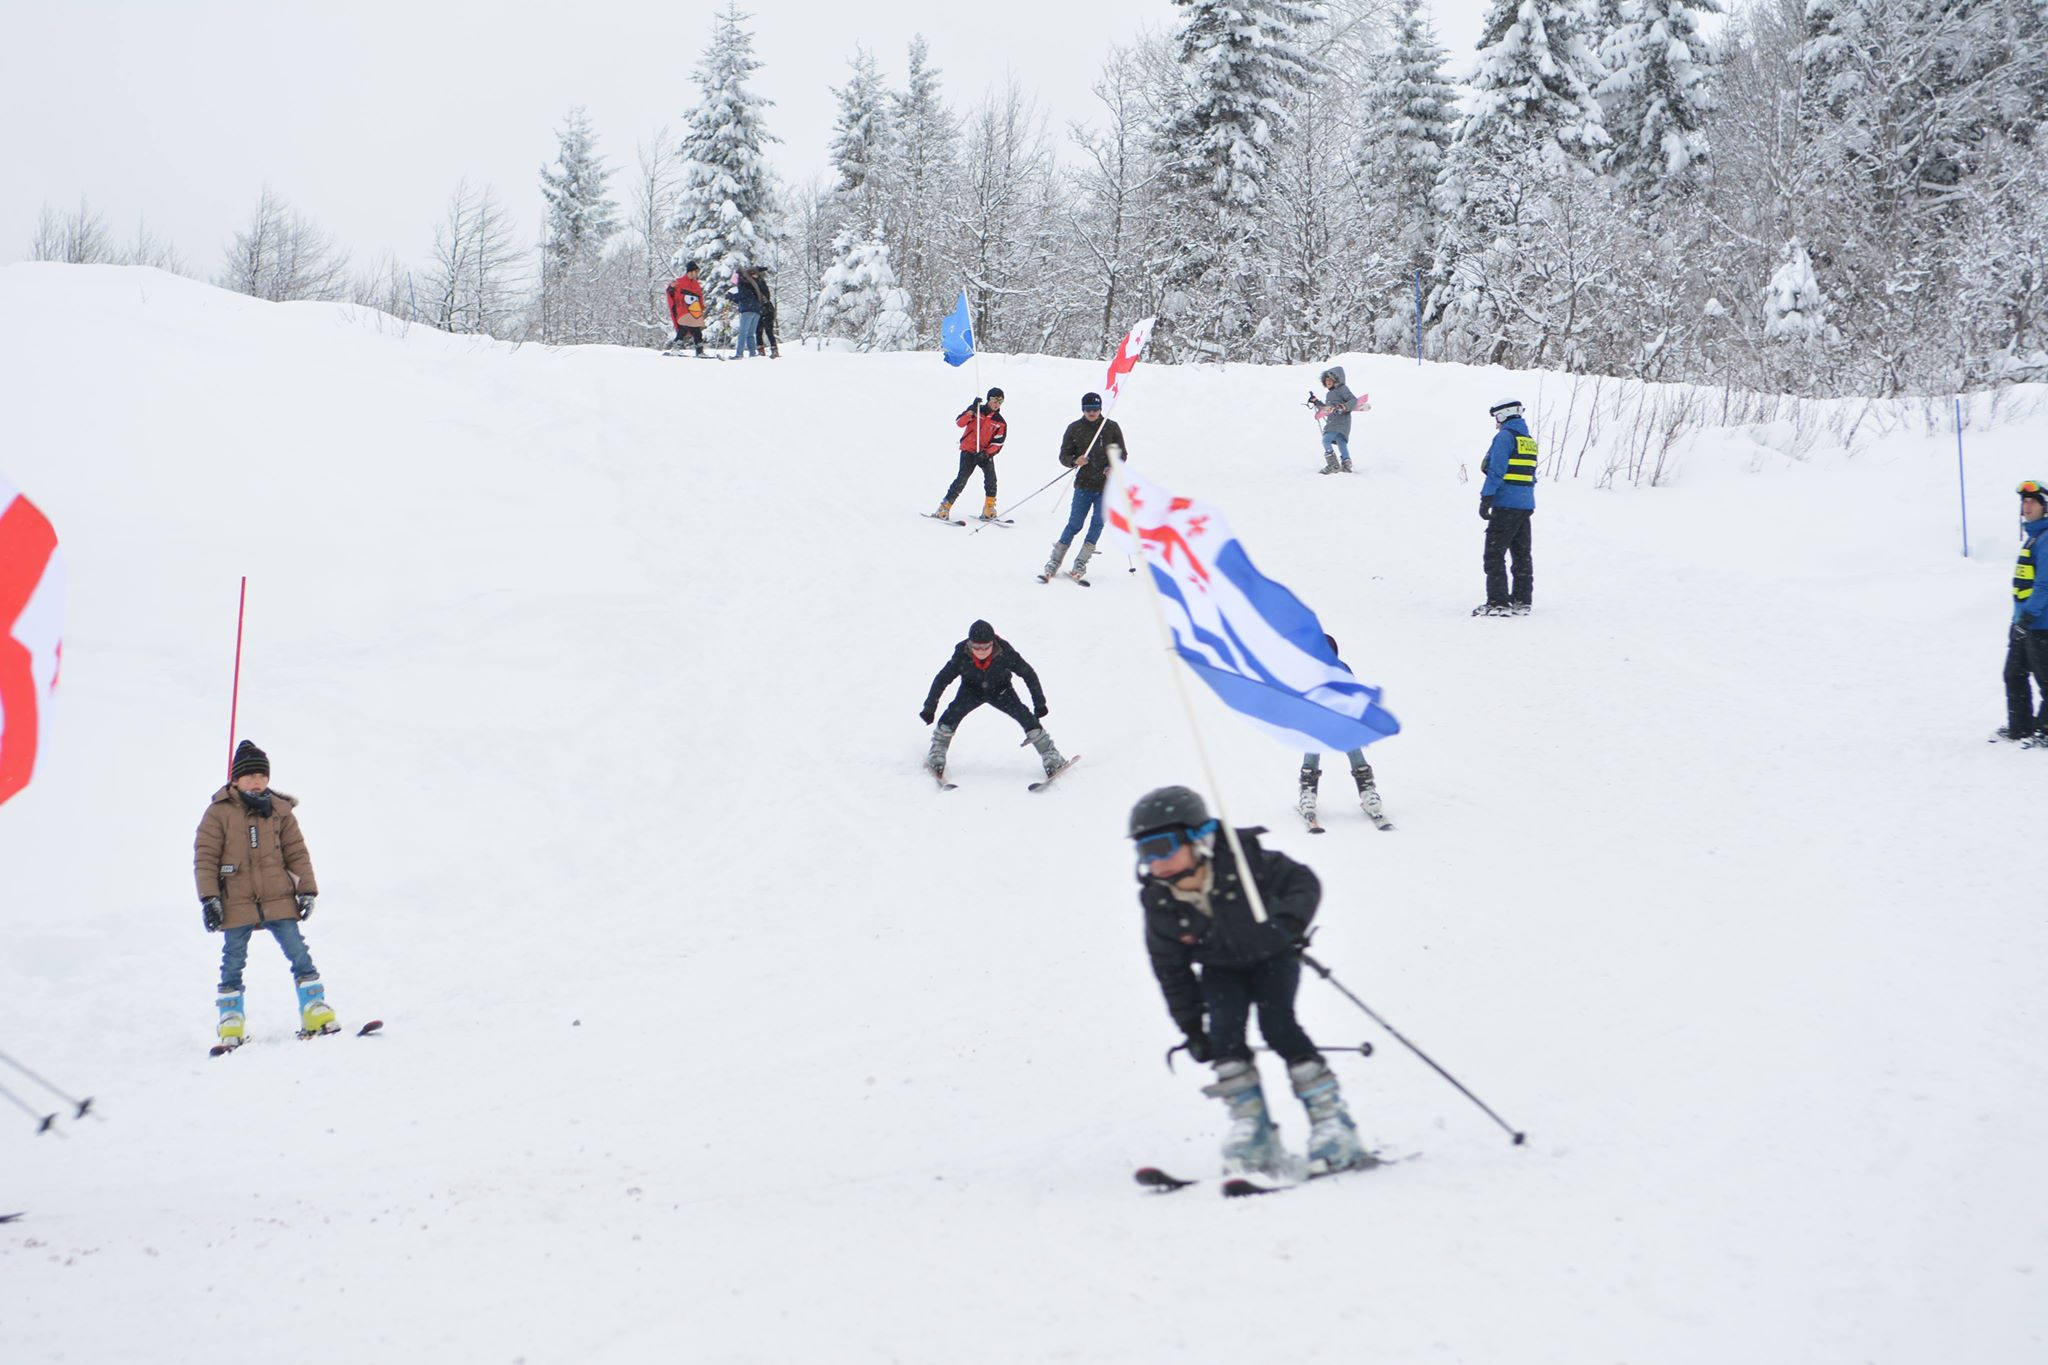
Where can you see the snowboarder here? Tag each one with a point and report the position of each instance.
(765, 337)
(1198, 916)
(2026, 650)
(984, 663)
(1335, 411)
(1087, 446)
(983, 429)
(1506, 502)
(253, 872)
(1361, 773)
(747, 300)
(686, 309)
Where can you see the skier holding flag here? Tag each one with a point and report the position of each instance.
(1090, 442)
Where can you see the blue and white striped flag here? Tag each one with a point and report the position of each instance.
(1255, 643)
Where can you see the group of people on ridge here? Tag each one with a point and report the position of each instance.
(753, 310)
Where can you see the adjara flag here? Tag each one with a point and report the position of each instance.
(32, 645)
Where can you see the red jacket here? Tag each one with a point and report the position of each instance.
(981, 433)
(683, 292)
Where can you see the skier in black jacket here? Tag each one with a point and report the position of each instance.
(1198, 915)
(984, 663)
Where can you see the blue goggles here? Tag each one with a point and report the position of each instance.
(1162, 843)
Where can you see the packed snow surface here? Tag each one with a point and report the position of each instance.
(715, 1033)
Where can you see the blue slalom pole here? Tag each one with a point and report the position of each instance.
(1961, 492)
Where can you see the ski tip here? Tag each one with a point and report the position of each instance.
(366, 1030)
(1152, 1178)
(1245, 1189)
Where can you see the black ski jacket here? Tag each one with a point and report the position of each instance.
(1092, 473)
(990, 682)
(1178, 936)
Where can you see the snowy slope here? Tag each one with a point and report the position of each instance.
(715, 1033)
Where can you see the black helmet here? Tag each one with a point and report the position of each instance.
(1168, 808)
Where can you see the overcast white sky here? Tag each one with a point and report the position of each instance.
(365, 113)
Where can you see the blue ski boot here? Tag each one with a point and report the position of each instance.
(230, 1028)
(315, 1016)
(1253, 1144)
(1333, 1143)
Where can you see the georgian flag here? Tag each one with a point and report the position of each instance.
(1124, 361)
(32, 647)
(1257, 646)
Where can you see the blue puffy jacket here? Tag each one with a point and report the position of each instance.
(2029, 598)
(1511, 466)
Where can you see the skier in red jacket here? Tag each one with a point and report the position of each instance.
(686, 309)
(983, 429)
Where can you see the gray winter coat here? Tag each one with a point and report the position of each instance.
(1339, 402)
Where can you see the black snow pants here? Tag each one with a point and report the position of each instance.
(1007, 701)
(968, 460)
(1229, 993)
(2026, 656)
(1507, 532)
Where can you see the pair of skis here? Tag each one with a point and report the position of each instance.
(1241, 1187)
(1373, 813)
(366, 1031)
(982, 521)
(1038, 786)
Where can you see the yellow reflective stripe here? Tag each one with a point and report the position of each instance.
(2025, 571)
(2022, 593)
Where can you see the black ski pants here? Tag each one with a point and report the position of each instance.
(2026, 656)
(968, 460)
(693, 336)
(1229, 994)
(1006, 701)
(766, 335)
(1507, 533)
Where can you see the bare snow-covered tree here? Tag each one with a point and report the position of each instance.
(1109, 216)
(652, 242)
(79, 237)
(281, 255)
(1003, 241)
(472, 284)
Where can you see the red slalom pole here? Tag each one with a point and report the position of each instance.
(235, 699)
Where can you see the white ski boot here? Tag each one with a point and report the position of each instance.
(1253, 1145)
(1333, 1143)
(935, 758)
(1305, 803)
(1368, 792)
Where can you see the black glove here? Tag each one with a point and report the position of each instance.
(211, 912)
(926, 715)
(1040, 710)
(1198, 1047)
(1297, 933)
(1486, 509)
(305, 906)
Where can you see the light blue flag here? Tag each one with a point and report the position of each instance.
(956, 333)
(1256, 645)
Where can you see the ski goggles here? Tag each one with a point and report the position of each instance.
(1163, 843)
(2031, 488)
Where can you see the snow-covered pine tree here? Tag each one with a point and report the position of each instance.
(862, 139)
(723, 210)
(1411, 117)
(1655, 97)
(1244, 67)
(859, 298)
(924, 172)
(581, 219)
(1794, 309)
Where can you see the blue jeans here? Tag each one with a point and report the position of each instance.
(1084, 499)
(750, 329)
(234, 951)
(1339, 440)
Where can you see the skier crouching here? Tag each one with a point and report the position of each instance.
(984, 663)
(1197, 915)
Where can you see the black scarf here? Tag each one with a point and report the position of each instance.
(256, 803)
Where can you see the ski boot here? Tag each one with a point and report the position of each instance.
(945, 512)
(1333, 1143)
(935, 760)
(230, 1026)
(1520, 608)
(315, 1016)
(1330, 465)
(988, 509)
(1252, 1147)
(1079, 573)
(1311, 778)
(1493, 609)
(1368, 792)
(1048, 754)
(1345, 464)
(1052, 565)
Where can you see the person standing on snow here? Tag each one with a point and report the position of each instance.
(1197, 916)
(764, 338)
(984, 664)
(1337, 406)
(747, 300)
(1088, 445)
(253, 872)
(1506, 502)
(2026, 649)
(1361, 773)
(686, 309)
(983, 429)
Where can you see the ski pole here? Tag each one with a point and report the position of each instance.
(1363, 1050)
(1021, 501)
(1324, 973)
(43, 1121)
(82, 1105)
